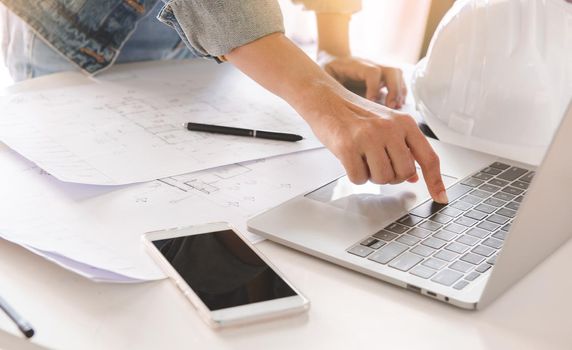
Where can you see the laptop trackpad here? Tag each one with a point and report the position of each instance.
(381, 202)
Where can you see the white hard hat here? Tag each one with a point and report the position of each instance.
(498, 75)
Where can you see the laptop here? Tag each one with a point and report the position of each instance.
(503, 219)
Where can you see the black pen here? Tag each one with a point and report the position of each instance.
(227, 130)
(22, 324)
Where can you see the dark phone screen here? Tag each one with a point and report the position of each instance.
(222, 270)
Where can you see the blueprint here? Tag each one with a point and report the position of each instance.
(128, 126)
(96, 230)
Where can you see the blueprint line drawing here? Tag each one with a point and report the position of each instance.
(132, 130)
(96, 230)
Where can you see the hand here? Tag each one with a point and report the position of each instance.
(375, 143)
(352, 71)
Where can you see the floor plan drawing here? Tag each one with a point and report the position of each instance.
(90, 133)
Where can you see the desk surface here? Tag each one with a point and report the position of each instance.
(348, 310)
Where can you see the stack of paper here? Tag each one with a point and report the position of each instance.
(128, 129)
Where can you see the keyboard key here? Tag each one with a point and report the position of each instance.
(483, 268)
(396, 228)
(468, 240)
(512, 190)
(489, 188)
(472, 182)
(435, 264)
(456, 228)
(513, 205)
(440, 218)
(528, 177)
(497, 219)
(461, 266)
(512, 173)
(360, 250)
(457, 247)
(465, 221)
(499, 165)
(471, 199)
(460, 285)
(452, 212)
(480, 194)
(405, 261)
(408, 240)
(472, 276)
(500, 235)
(419, 232)
(461, 205)
(457, 191)
(493, 242)
(369, 241)
(492, 171)
(519, 199)
(483, 176)
(520, 185)
(477, 215)
(388, 253)
(472, 258)
(483, 250)
(446, 255)
(477, 232)
(427, 209)
(495, 202)
(384, 235)
(377, 245)
(434, 243)
(506, 227)
(492, 260)
(447, 277)
(422, 250)
(487, 225)
(498, 182)
(485, 208)
(431, 226)
(410, 220)
(422, 271)
(504, 196)
(506, 212)
(445, 235)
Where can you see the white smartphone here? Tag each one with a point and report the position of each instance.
(227, 280)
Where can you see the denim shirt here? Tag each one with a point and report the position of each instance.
(92, 33)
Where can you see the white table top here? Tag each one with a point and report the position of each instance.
(348, 310)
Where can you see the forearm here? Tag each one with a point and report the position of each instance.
(285, 70)
(333, 33)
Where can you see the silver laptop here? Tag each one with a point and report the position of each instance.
(502, 220)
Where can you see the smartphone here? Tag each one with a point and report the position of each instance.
(225, 278)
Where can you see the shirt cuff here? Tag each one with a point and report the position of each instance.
(331, 6)
(213, 28)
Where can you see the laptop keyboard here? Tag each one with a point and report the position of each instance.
(453, 244)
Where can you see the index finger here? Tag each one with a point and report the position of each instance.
(430, 165)
(394, 83)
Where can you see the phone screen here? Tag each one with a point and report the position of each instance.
(222, 270)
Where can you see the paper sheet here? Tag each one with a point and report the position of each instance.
(96, 230)
(129, 126)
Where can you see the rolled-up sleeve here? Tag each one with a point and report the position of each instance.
(331, 6)
(213, 28)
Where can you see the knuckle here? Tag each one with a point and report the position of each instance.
(432, 160)
(406, 119)
(357, 177)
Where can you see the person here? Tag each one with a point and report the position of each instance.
(373, 142)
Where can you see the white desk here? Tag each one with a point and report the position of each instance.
(348, 310)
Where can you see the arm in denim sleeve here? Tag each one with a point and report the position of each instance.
(212, 28)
